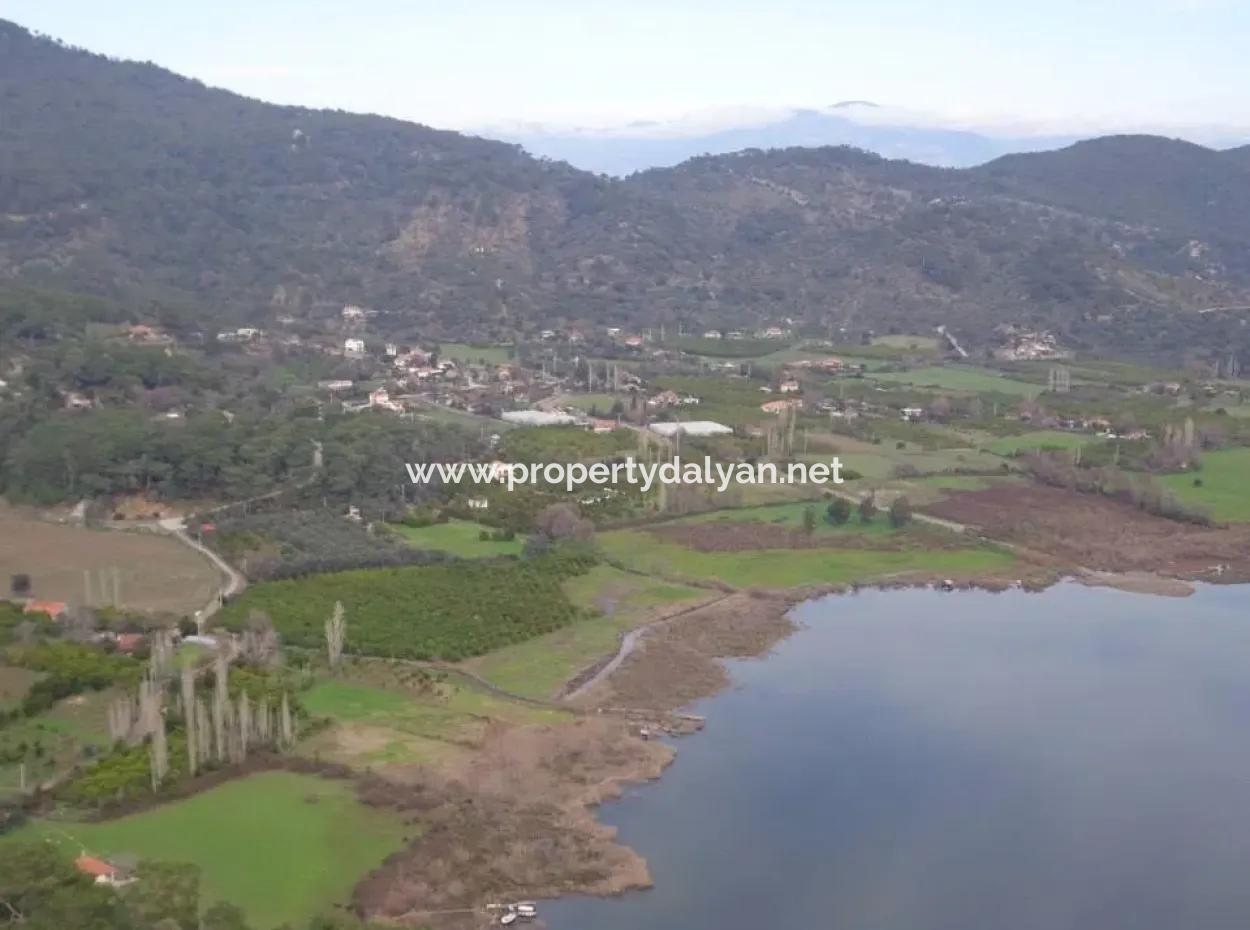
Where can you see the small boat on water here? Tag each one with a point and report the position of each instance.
(508, 918)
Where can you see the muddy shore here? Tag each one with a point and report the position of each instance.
(518, 819)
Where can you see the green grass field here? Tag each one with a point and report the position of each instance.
(14, 684)
(586, 402)
(437, 413)
(732, 401)
(787, 568)
(1038, 439)
(934, 488)
(961, 378)
(59, 738)
(620, 601)
(905, 341)
(458, 537)
(384, 718)
(472, 355)
(1223, 492)
(877, 463)
(791, 515)
(282, 846)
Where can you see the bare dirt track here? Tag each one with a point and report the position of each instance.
(679, 662)
(157, 573)
(1096, 532)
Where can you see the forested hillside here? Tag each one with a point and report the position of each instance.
(126, 181)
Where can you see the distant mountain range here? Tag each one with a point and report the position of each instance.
(862, 124)
(126, 181)
(858, 123)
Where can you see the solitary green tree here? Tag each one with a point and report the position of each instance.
(900, 511)
(839, 511)
(809, 520)
(867, 508)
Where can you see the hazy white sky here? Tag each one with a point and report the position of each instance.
(1057, 65)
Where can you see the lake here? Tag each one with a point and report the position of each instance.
(913, 760)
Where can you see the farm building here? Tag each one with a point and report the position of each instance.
(53, 609)
(538, 418)
(691, 428)
(101, 872)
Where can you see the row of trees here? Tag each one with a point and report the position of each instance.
(1142, 491)
(840, 510)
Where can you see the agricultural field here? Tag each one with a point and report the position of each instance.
(732, 401)
(464, 354)
(614, 602)
(459, 538)
(565, 444)
(447, 611)
(791, 517)
(934, 488)
(909, 342)
(962, 378)
(313, 844)
(1101, 371)
(14, 684)
(726, 349)
(156, 573)
(880, 462)
(73, 730)
(1225, 487)
(438, 413)
(1038, 439)
(292, 543)
(784, 568)
(587, 403)
(396, 716)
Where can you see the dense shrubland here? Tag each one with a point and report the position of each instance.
(69, 668)
(1141, 490)
(271, 546)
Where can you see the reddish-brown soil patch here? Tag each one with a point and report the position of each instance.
(1097, 532)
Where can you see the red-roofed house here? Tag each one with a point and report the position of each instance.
(103, 873)
(54, 609)
(129, 642)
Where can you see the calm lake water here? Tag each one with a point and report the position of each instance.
(912, 760)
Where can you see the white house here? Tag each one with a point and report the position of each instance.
(690, 428)
(380, 399)
(352, 346)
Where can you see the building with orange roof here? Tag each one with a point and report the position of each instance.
(101, 872)
(54, 609)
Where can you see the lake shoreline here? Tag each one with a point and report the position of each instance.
(1153, 588)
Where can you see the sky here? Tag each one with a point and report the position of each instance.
(1009, 65)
